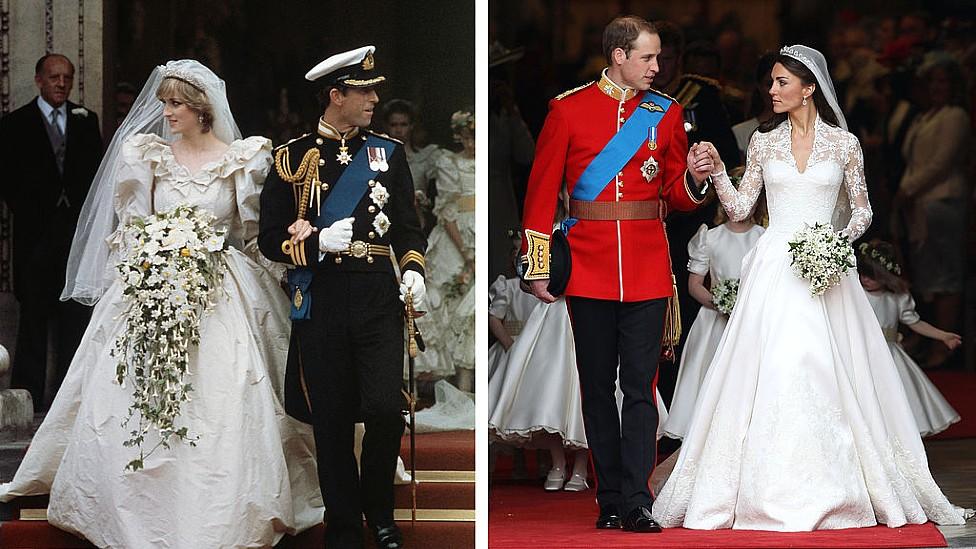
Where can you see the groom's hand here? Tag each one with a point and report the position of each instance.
(700, 163)
(540, 289)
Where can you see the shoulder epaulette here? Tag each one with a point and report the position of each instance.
(572, 91)
(384, 136)
(292, 141)
(662, 94)
(704, 80)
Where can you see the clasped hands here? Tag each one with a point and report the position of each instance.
(703, 161)
(334, 238)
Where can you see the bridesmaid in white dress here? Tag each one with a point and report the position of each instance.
(888, 294)
(251, 477)
(448, 327)
(508, 309)
(718, 253)
(802, 422)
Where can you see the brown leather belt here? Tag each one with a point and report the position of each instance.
(613, 211)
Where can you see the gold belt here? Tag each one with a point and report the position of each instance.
(360, 250)
(466, 203)
(613, 211)
(513, 327)
(891, 334)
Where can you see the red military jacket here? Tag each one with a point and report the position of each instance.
(614, 260)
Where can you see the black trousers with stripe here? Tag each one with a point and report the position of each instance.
(609, 334)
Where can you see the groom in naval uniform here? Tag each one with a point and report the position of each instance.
(338, 208)
(621, 150)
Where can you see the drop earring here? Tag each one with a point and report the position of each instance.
(200, 118)
(804, 101)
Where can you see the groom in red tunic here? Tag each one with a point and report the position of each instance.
(620, 148)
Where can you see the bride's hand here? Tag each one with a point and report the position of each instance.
(717, 165)
(300, 230)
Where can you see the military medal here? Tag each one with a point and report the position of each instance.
(377, 159)
(649, 169)
(343, 157)
(652, 138)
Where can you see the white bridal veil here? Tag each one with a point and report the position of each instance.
(90, 271)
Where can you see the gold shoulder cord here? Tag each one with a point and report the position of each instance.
(307, 174)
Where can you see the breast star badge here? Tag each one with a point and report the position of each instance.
(649, 169)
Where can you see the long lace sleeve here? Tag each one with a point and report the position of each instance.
(739, 203)
(857, 191)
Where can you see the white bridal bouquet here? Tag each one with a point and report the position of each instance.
(170, 265)
(821, 256)
(724, 294)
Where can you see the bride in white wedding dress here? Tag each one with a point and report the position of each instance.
(251, 477)
(802, 422)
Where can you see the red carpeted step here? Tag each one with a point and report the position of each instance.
(449, 451)
(437, 495)
(522, 516)
(31, 534)
(422, 535)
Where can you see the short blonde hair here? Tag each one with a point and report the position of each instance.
(193, 97)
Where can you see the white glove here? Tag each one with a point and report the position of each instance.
(337, 237)
(413, 281)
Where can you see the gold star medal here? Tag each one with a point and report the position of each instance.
(343, 157)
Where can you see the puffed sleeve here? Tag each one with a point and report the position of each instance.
(133, 190)
(251, 160)
(499, 298)
(906, 309)
(698, 261)
(448, 187)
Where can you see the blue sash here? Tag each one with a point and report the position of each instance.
(619, 150)
(346, 194)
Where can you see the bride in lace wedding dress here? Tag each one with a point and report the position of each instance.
(802, 422)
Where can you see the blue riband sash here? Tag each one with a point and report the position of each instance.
(619, 150)
(346, 194)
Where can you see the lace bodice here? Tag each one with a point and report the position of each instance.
(795, 198)
(151, 179)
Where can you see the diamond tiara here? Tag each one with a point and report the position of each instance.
(184, 76)
(796, 54)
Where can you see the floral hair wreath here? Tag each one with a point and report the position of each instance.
(461, 120)
(885, 260)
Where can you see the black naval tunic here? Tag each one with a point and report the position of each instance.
(345, 361)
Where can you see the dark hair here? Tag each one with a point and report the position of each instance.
(760, 92)
(671, 35)
(622, 32)
(323, 95)
(954, 72)
(798, 69)
(399, 106)
(39, 66)
(871, 259)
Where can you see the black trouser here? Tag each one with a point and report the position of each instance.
(356, 332)
(608, 333)
(69, 319)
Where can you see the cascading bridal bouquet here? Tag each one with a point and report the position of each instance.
(170, 266)
(821, 256)
(724, 294)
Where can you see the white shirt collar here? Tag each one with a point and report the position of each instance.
(46, 110)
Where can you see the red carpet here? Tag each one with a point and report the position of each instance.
(526, 516)
(959, 389)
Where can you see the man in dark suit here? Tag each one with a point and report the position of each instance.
(50, 150)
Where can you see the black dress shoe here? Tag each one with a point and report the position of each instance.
(609, 519)
(388, 536)
(640, 520)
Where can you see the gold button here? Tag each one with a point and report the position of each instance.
(321, 162)
(621, 174)
(372, 234)
(620, 195)
(371, 209)
(325, 186)
(622, 120)
(318, 141)
(369, 259)
(620, 183)
(338, 260)
(372, 183)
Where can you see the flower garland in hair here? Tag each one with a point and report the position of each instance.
(170, 265)
(821, 256)
(885, 260)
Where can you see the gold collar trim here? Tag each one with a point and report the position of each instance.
(329, 131)
(611, 88)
